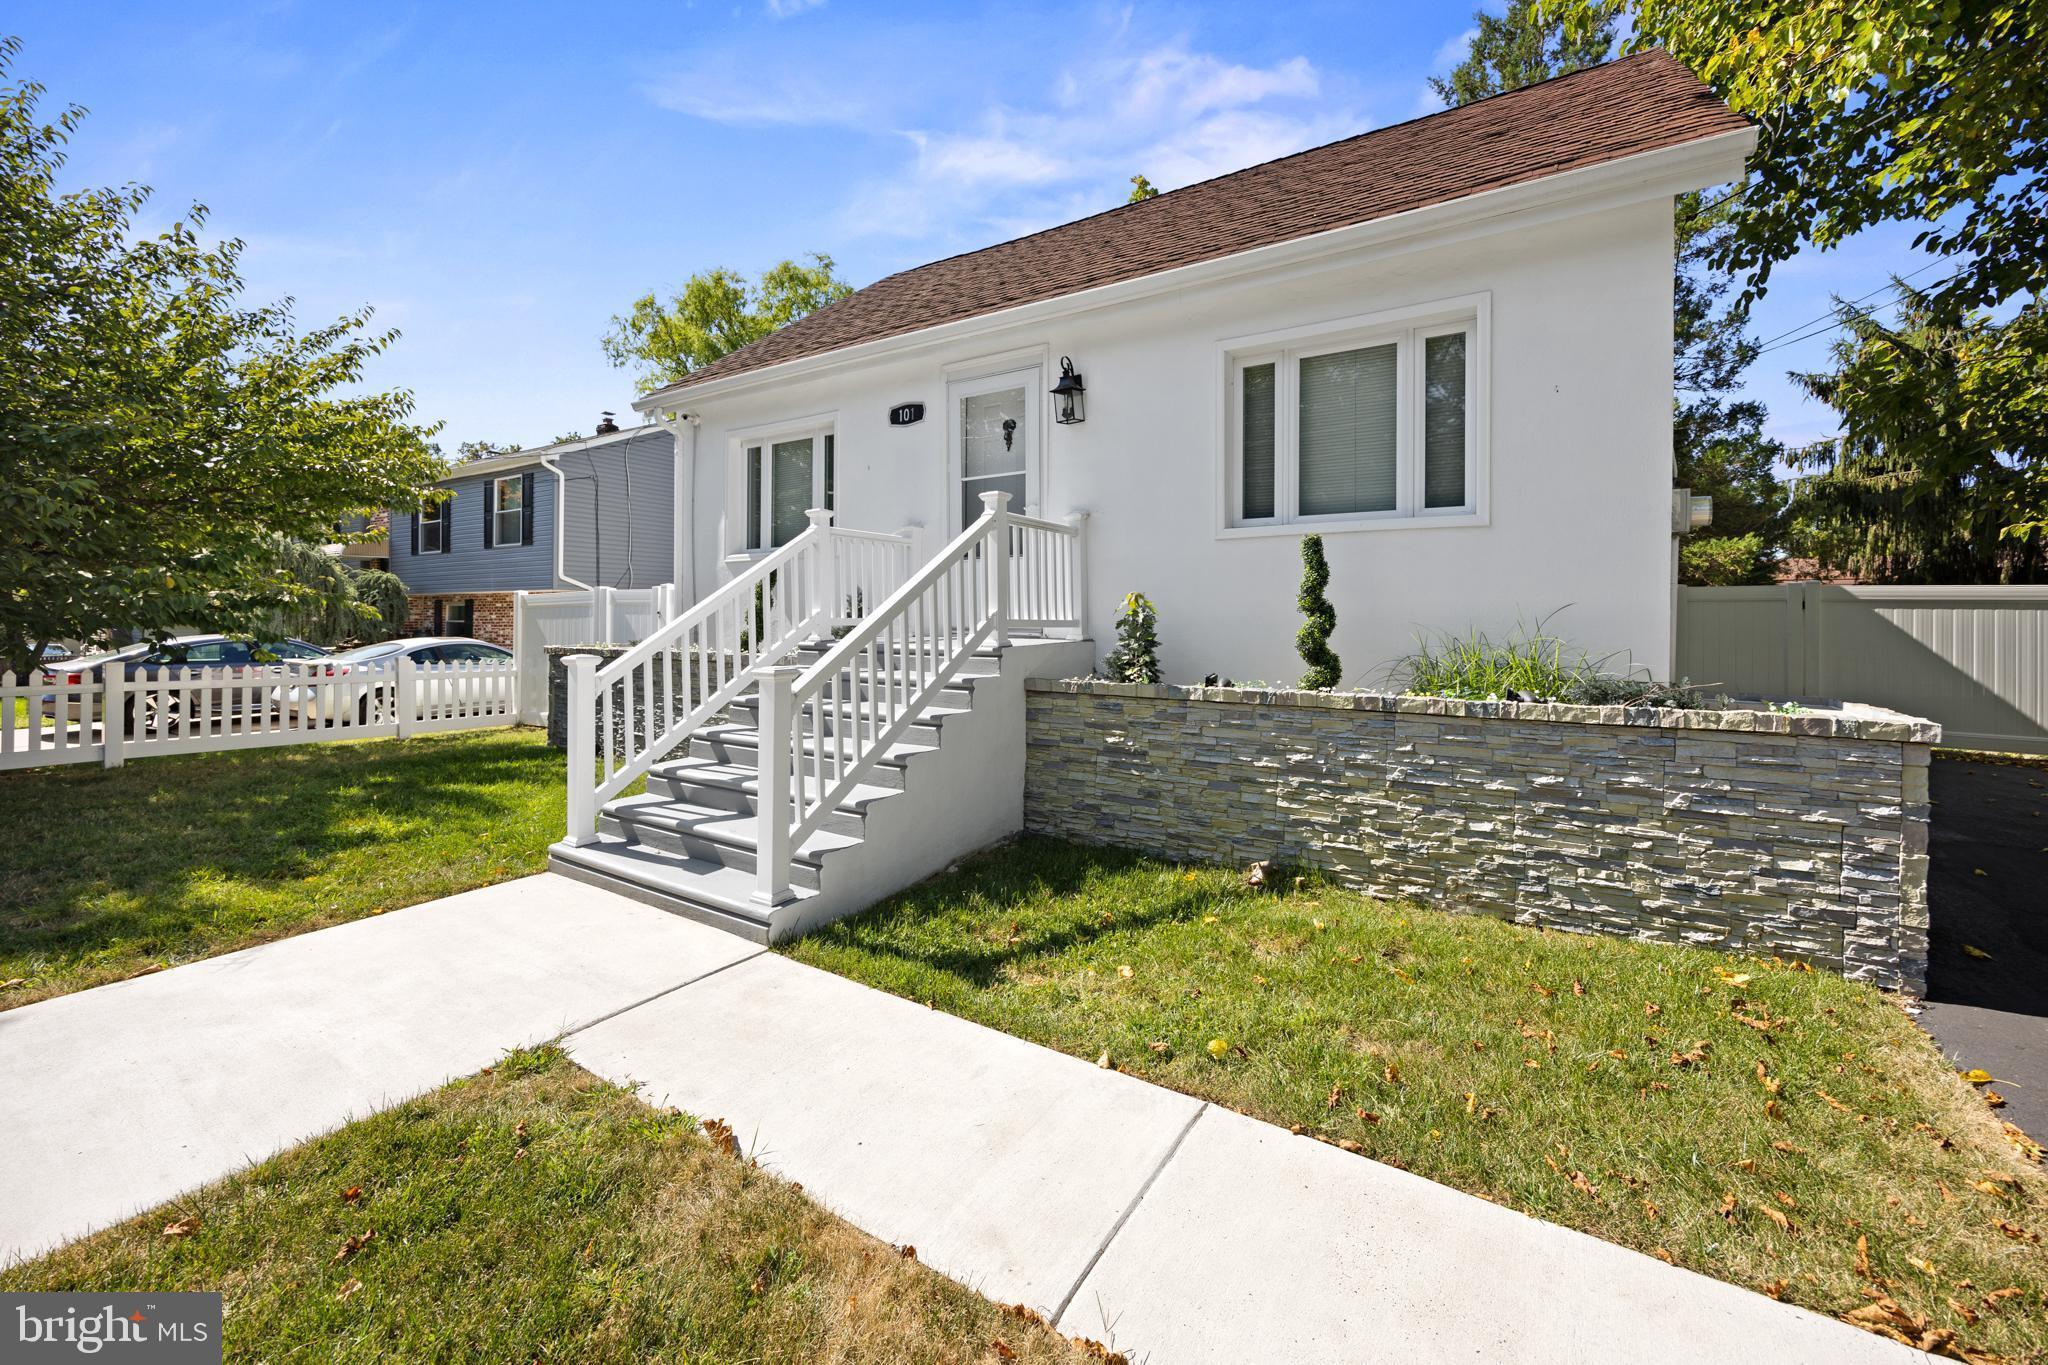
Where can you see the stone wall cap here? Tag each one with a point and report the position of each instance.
(1813, 719)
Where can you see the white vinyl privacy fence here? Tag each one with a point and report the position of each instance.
(61, 717)
(606, 616)
(1974, 659)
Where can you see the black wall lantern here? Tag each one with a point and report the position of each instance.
(1070, 395)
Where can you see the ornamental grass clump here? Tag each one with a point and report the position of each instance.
(1325, 669)
(1539, 667)
(1136, 656)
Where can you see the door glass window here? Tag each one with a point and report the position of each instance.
(791, 488)
(993, 445)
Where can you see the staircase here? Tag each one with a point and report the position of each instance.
(894, 732)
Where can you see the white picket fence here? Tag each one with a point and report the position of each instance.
(620, 616)
(61, 717)
(1973, 658)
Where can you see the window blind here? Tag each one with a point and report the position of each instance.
(1257, 443)
(1443, 421)
(1349, 430)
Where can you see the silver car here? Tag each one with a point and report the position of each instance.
(381, 661)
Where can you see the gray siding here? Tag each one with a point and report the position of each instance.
(469, 567)
(619, 512)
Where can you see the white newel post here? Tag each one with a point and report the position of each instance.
(582, 704)
(113, 714)
(998, 505)
(773, 744)
(405, 695)
(825, 610)
(1079, 521)
(522, 707)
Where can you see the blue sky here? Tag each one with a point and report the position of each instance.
(498, 180)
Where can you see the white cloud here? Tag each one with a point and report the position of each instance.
(1453, 51)
(727, 91)
(1166, 111)
(784, 9)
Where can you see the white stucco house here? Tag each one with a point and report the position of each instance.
(1444, 345)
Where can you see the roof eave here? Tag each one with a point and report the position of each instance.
(1694, 164)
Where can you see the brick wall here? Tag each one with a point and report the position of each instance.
(1803, 835)
(493, 614)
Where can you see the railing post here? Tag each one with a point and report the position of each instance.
(582, 704)
(825, 609)
(772, 793)
(998, 505)
(405, 695)
(1079, 521)
(113, 714)
(603, 608)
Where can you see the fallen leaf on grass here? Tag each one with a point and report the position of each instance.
(1886, 1318)
(1336, 1095)
(1776, 1289)
(1126, 972)
(1973, 950)
(1977, 1075)
(1652, 1010)
(1792, 1147)
(12, 982)
(2028, 1148)
(1727, 1209)
(1104, 1061)
(907, 1252)
(2015, 1231)
(1391, 1074)
(1219, 1048)
(1998, 1296)
(1784, 1223)
(1661, 1254)
(1002, 1348)
(1863, 1257)
(1696, 1057)
(348, 1291)
(351, 1245)
(351, 1194)
(1160, 1047)
(722, 1137)
(1924, 1267)
(1963, 1311)
(184, 1227)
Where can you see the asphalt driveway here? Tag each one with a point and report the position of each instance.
(1987, 972)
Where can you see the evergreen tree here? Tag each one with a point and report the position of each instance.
(1325, 669)
(1136, 656)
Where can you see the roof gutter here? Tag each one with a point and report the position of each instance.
(1672, 170)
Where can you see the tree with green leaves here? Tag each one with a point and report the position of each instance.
(1520, 48)
(1920, 486)
(1319, 620)
(716, 312)
(1718, 443)
(1876, 111)
(1136, 656)
(332, 603)
(158, 435)
(1141, 190)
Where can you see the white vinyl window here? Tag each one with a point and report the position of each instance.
(432, 524)
(508, 507)
(1366, 426)
(784, 478)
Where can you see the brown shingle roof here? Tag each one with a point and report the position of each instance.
(1638, 104)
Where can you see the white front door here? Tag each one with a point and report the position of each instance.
(994, 441)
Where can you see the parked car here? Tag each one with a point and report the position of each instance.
(170, 661)
(382, 659)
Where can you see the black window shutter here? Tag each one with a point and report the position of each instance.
(437, 616)
(414, 522)
(526, 508)
(490, 512)
(446, 515)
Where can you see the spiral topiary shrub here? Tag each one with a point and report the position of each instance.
(1325, 669)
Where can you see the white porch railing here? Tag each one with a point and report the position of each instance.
(631, 713)
(823, 729)
(66, 717)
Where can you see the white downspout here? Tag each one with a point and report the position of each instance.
(685, 577)
(547, 462)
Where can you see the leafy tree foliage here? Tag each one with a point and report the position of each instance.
(1521, 47)
(1876, 111)
(714, 313)
(157, 435)
(1718, 443)
(1319, 620)
(1136, 656)
(1141, 190)
(331, 603)
(1940, 449)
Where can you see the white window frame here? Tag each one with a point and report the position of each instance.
(819, 428)
(499, 540)
(434, 518)
(1409, 328)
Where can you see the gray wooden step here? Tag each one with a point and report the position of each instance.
(708, 892)
(709, 834)
(733, 787)
(740, 745)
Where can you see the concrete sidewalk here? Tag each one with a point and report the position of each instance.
(1128, 1213)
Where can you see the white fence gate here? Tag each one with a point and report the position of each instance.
(619, 616)
(1973, 658)
(61, 717)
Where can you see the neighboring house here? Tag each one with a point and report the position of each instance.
(593, 512)
(363, 542)
(1445, 345)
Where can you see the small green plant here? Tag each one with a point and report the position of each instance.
(1136, 656)
(1534, 665)
(1325, 669)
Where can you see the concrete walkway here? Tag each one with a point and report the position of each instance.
(1175, 1230)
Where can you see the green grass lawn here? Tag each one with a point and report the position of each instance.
(535, 1213)
(111, 872)
(1773, 1126)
